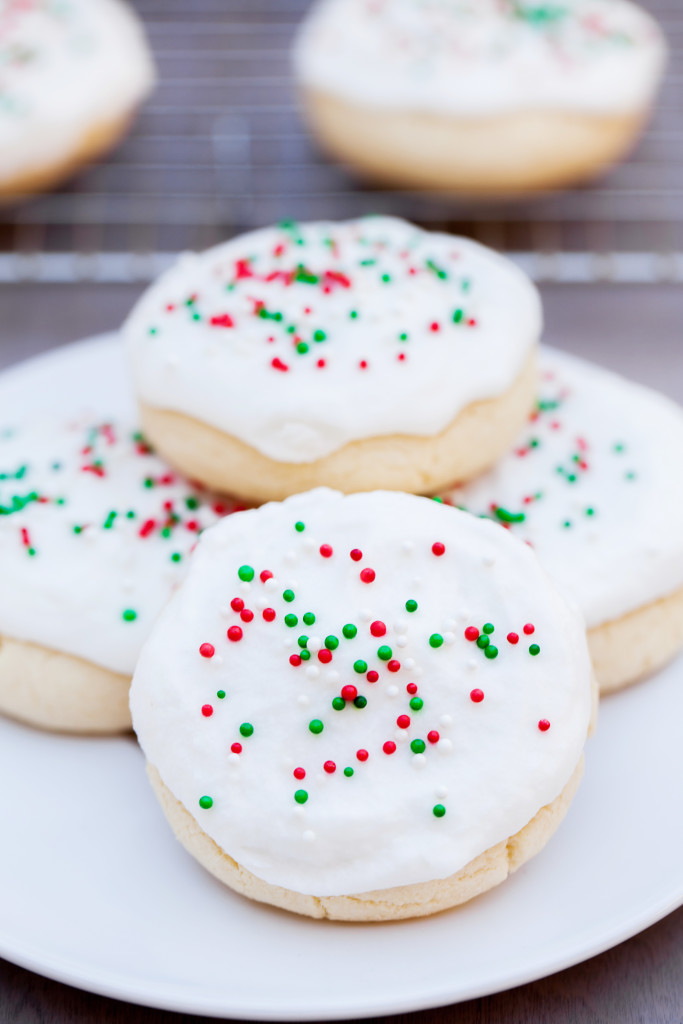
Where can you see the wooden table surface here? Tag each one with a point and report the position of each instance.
(636, 330)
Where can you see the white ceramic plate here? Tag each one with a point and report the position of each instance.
(97, 893)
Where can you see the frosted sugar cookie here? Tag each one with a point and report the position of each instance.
(363, 707)
(358, 355)
(595, 486)
(72, 73)
(95, 534)
(487, 96)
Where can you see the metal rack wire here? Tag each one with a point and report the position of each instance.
(220, 149)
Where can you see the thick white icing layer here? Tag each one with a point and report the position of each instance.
(481, 57)
(371, 305)
(59, 485)
(492, 768)
(66, 67)
(597, 477)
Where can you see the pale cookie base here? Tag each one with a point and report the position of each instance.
(472, 443)
(637, 644)
(500, 155)
(489, 869)
(94, 144)
(61, 692)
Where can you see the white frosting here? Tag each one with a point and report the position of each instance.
(371, 304)
(66, 67)
(492, 768)
(597, 476)
(89, 567)
(480, 57)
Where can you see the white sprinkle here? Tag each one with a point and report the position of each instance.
(409, 664)
(309, 836)
(419, 761)
(401, 735)
(216, 660)
(309, 544)
(449, 638)
(418, 671)
(314, 644)
(312, 671)
(444, 746)
(271, 583)
(471, 664)
(286, 642)
(401, 626)
(172, 361)
(261, 602)
(302, 700)
(488, 561)
(333, 676)
(128, 584)
(365, 614)
(245, 588)
(233, 759)
(392, 691)
(401, 641)
(408, 546)
(464, 614)
(226, 611)
(290, 557)
(442, 792)
(445, 721)
(299, 811)
(417, 582)
(450, 624)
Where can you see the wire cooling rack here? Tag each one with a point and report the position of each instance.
(220, 148)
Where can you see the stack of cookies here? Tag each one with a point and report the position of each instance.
(368, 697)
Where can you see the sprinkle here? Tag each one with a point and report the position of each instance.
(488, 628)
(326, 550)
(361, 701)
(384, 652)
(299, 773)
(349, 692)
(207, 710)
(246, 615)
(367, 575)
(438, 810)
(349, 631)
(491, 652)
(291, 619)
(476, 696)
(235, 633)
(245, 573)
(438, 548)
(403, 721)
(129, 615)
(393, 665)
(316, 726)
(435, 640)
(205, 802)
(544, 725)
(360, 666)
(220, 694)
(433, 736)
(372, 676)
(269, 614)
(529, 629)
(417, 703)
(362, 755)
(472, 633)
(513, 638)
(330, 767)
(237, 604)
(348, 772)
(378, 628)
(389, 747)
(295, 660)
(246, 729)
(236, 748)
(483, 642)
(331, 642)
(338, 703)
(534, 650)
(301, 796)
(418, 746)
(356, 554)
(288, 595)
(411, 606)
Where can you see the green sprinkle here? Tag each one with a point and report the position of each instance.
(299, 527)
(288, 595)
(411, 606)
(457, 316)
(353, 314)
(619, 447)
(205, 802)
(534, 649)
(166, 532)
(309, 618)
(483, 641)
(176, 556)
(438, 810)
(301, 796)
(441, 274)
(349, 631)
(332, 643)
(129, 615)
(245, 573)
(488, 627)
(567, 524)
(319, 336)
(302, 348)
(192, 503)
(316, 726)
(590, 511)
(109, 521)
(386, 278)
(246, 729)
(403, 336)
(220, 694)
(435, 640)
(348, 772)
(338, 703)
(384, 652)
(360, 666)
(509, 517)
(302, 641)
(491, 652)
(417, 703)
(291, 619)
(361, 702)
(304, 655)
(418, 746)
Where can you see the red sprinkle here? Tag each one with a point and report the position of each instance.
(372, 676)
(438, 548)
(246, 615)
(349, 692)
(433, 736)
(513, 638)
(330, 767)
(367, 575)
(362, 755)
(236, 748)
(363, 364)
(222, 320)
(324, 655)
(393, 665)
(147, 528)
(320, 364)
(269, 614)
(265, 575)
(207, 710)
(235, 633)
(529, 629)
(434, 326)
(471, 633)
(403, 721)
(207, 650)
(326, 550)
(277, 364)
(411, 687)
(378, 628)
(389, 747)
(295, 660)
(356, 554)
(477, 696)
(544, 725)
(237, 604)
(299, 773)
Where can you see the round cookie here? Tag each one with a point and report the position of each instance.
(595, 485)
(484, 96)
(360, 355)
(72, 75)
(95, 534)
(363, 707)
